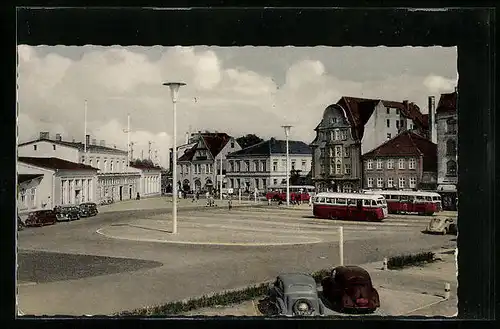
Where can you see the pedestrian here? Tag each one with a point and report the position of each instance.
(269, 201)
(230, 203)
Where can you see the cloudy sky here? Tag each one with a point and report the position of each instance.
(237, 90)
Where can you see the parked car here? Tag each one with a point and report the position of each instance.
(67, 213)
(41, 218)
(88, 209)
(350, 288)
(442, 225)
(295, 294)
(20, 224)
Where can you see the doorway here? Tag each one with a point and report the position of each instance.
(77, 197)
(121, 193)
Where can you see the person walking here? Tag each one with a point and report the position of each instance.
(230, 202)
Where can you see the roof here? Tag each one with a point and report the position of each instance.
(188, 154)
(370, 196)
(406, 144)
(79, 145)
(359, 111)
(352, 271)
(275, 146)
(289, 279)
(215, 141)
(21, 178)
(55, 163)
(144, 166)
(447, 102)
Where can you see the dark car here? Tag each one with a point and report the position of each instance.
(20, 224)
(88, 209)
(41, 218)
(349, 288)
(67, 213)
(295, 294)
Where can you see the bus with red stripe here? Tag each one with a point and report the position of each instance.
(350, 206)
(297, 193)
(408, 202)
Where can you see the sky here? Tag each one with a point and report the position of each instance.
(237, 90)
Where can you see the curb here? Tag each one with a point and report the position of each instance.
(187, 208)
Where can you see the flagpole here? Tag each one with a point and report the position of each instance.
(128, 141)
(85, 130)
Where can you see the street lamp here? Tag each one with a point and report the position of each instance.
(174, 90)
(287, 132)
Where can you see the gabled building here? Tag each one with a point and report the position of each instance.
(44, 183)
(447, 153)
(352, 127)
(198, 167)
(407, 161)
(263, 165)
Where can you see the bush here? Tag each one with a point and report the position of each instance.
(319, 275)
(410, 260)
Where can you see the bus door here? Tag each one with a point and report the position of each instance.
(404, 201)
(355, 208)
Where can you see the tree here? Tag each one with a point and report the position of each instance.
(248, 140)
(144, 162)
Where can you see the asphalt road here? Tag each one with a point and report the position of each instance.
(187, 270)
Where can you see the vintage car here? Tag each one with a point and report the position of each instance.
(442, 225)
(88, 209)
(67, 213)
(41, 218)
(295, 294)
(349, 288)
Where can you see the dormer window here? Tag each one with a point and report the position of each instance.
(232, 145)
(54, 147)
(34, 147)
(333, 120)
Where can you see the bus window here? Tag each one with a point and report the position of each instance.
(366, 202)
(341, 201)
(379, 202)
(435, 198)
(420, 197)
(320, 200)
(428, 198)
(374, 203)
(329, 200)
(359, 204)
(403, 198)
(351, 202)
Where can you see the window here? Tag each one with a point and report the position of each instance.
(397, 111)
(247, 165)
(451, 147)
(256, 183)
(344, 134)
(293, 165)
(401, 182)
(203, 168)
(451, 168)
(390, 164)
(369, 164)
(232, 144)
(389, 135)
(413, 182)
(401, 164)
(341, 201)
(275, 165)
(322, 152)
(397, 124)
(338, 151)
(370, 182)
(111, 166)
(388, 122)
(304, 163)
(230, 166)
(264, 183)
(231, 181)
(390, 182)
(54, 147)
(347, 168)
(33, 197)
(338, 169)
(34, 147)
(333, 120)
(380, 182)
(256, 165)
(337, 135)
(379, 164)
(388, 110)
(332, 136)
(98, 164)
(90, 162)
(275, 182)
(412, 126)
(411, 164)
(322, 168)
(347, 188)
(347, 151)
(264, 166)
(451, 126)
(105, 165)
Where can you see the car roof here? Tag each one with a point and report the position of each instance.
(290, 279)
(352, 271)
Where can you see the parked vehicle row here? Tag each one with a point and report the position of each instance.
(58, 214)
(346, 289)
(350, 206)
(406, 202)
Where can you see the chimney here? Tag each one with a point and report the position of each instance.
(44, 135)
(58, 137)
(94, 141)
(87, 140)
(103, 142)
(432, 119)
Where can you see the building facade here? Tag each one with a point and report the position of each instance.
(198, 168)
(352, 127)
(151, 179)
(116, 179)
(406, 162)
(447, 152)
(44, 183)
(263, 166)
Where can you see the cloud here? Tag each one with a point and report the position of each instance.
(222, 95)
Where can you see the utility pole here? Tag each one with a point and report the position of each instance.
(156, 156)
(131, 151)
(85, 129)
(142, 154)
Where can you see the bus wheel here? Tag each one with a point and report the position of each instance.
(332, 217)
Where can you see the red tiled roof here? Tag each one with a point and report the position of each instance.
(359, 111)
(447, 102)
(55, 163)
(408, 144)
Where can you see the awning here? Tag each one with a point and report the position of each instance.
(447, 188)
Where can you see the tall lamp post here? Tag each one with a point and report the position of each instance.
(287, 132)
(174, 90)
